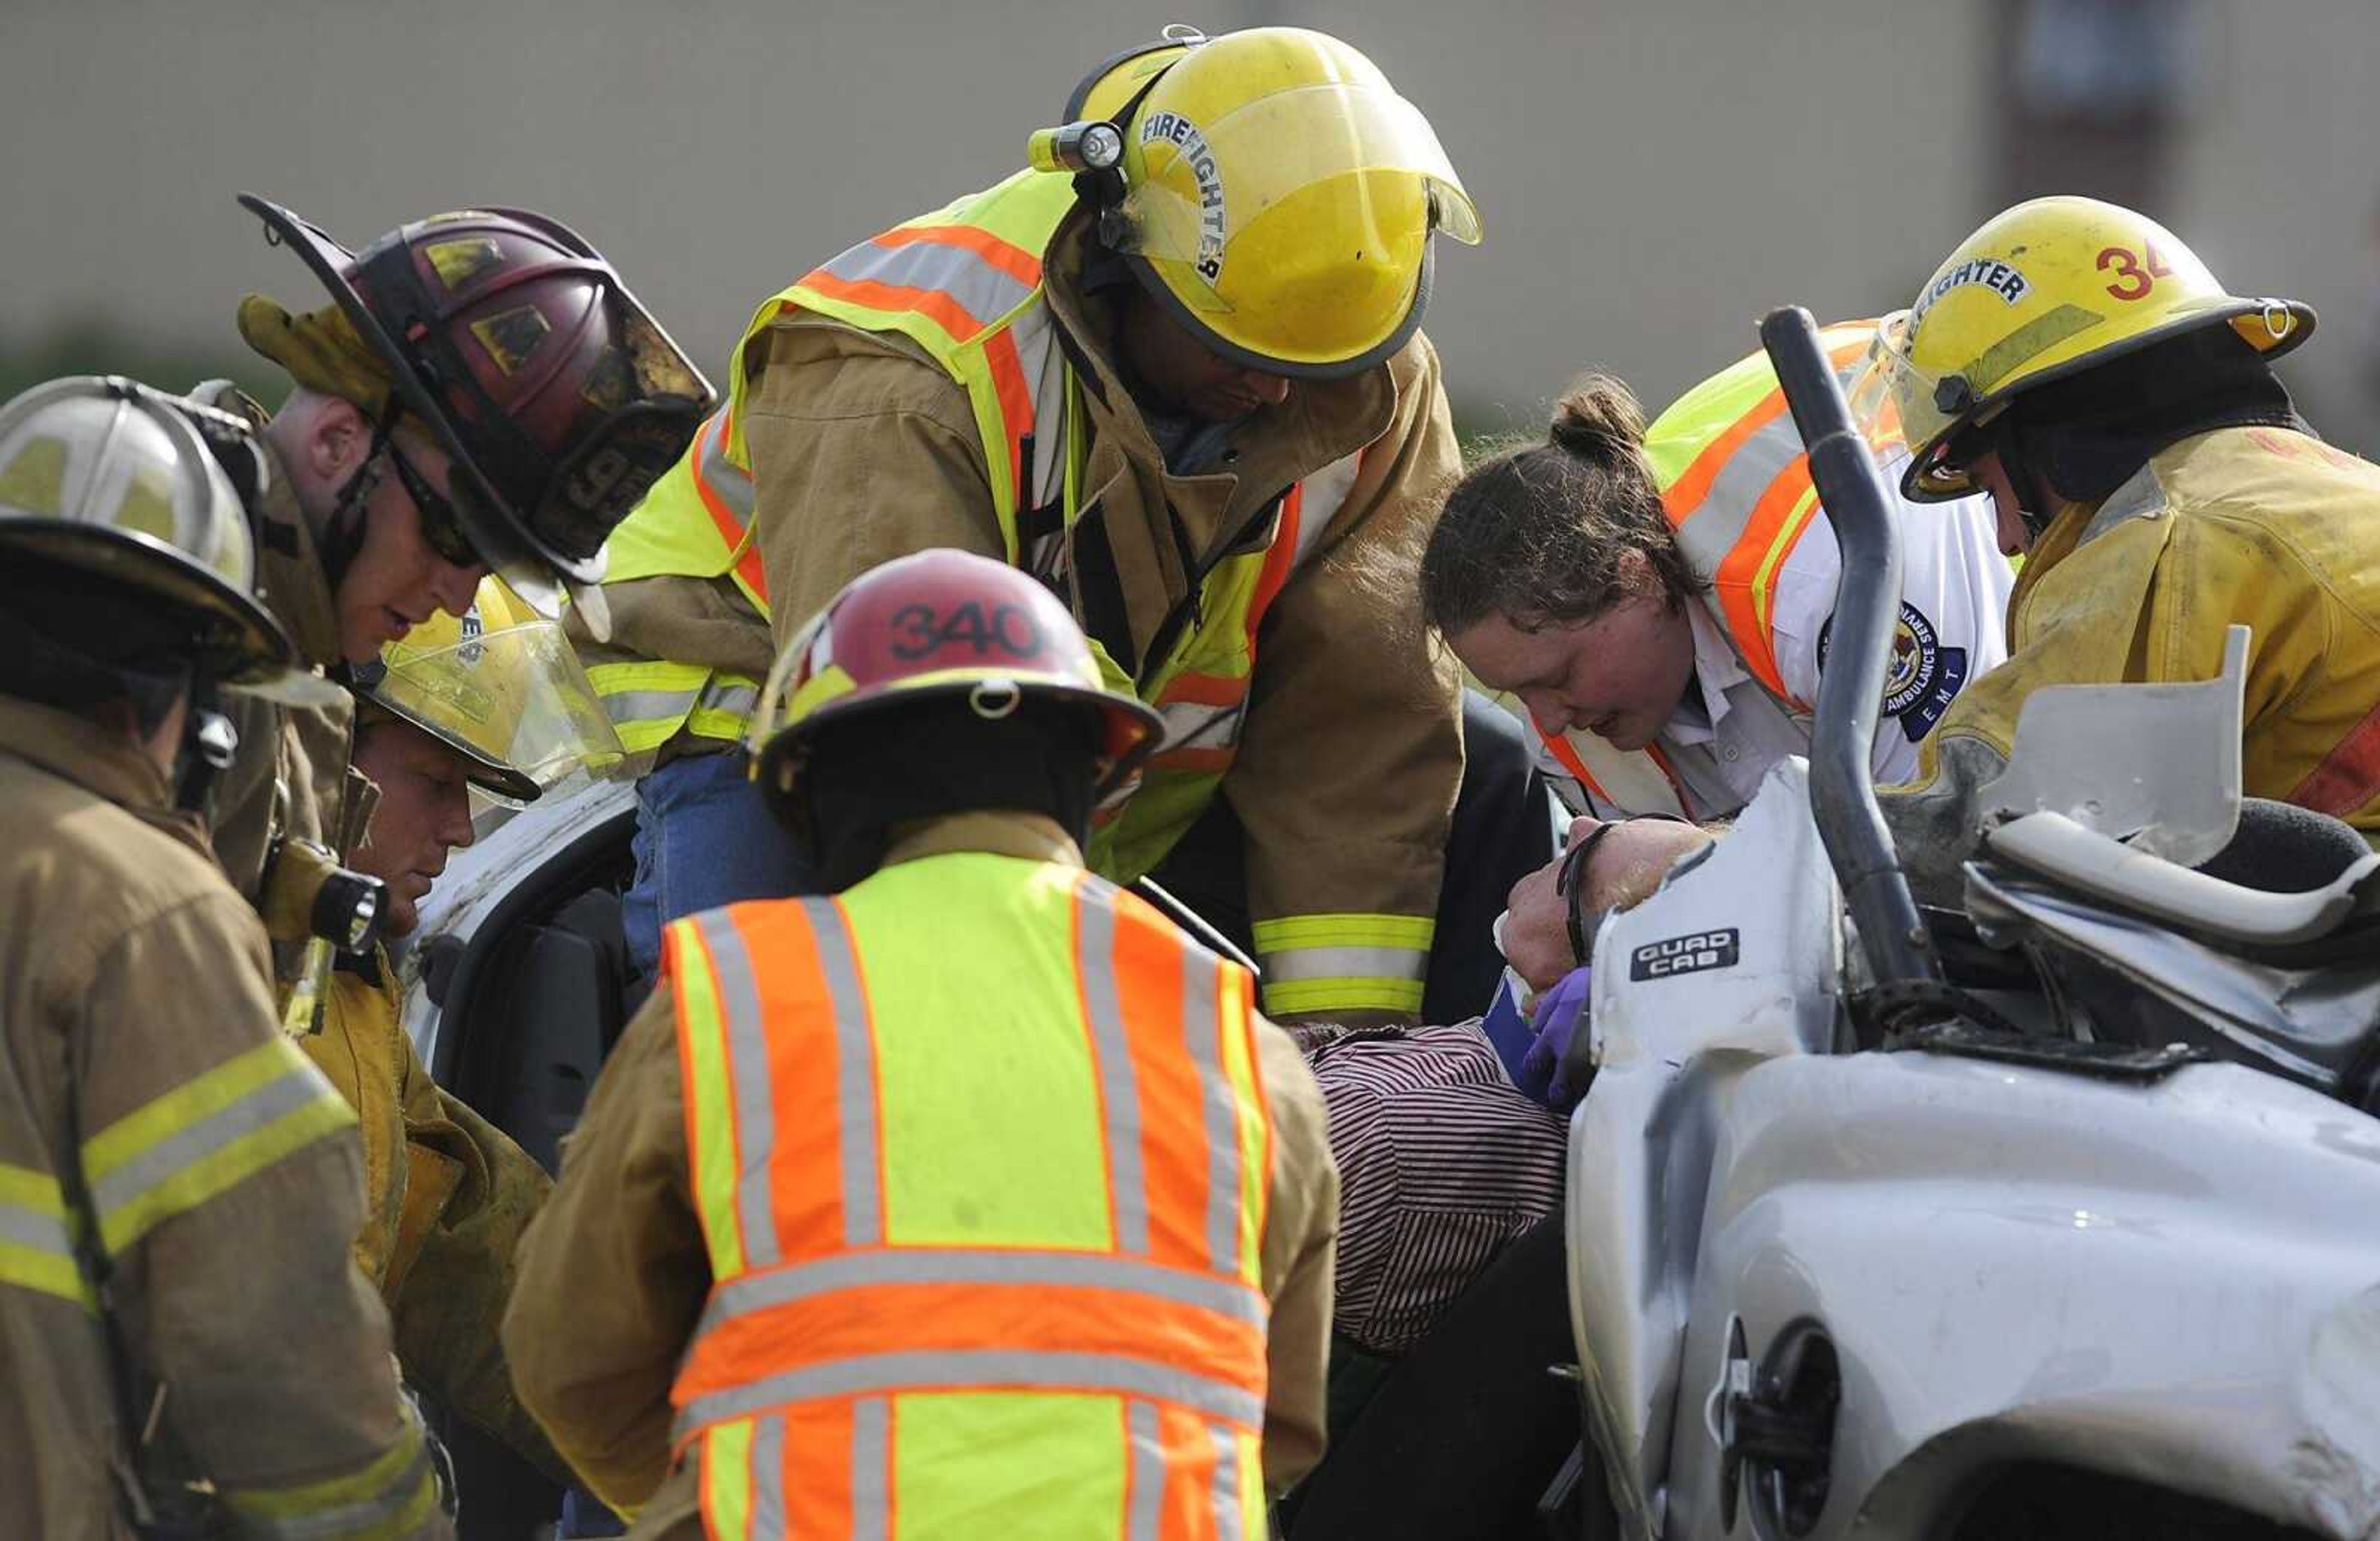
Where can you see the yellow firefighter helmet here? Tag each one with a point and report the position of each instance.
(1278, 197)
(2046, 290)
(502, 685)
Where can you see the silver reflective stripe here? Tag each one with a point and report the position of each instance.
(1044, 364)
(1195, 724)
(725, 477)
(976, 1369)
(871, 1471)
(980, 289)
(767, 1516)
(367, 1516)
(131, 1184)
(719, 695)
(755, 1113)
(1346, 963)
(751, 1292)
(1230, 1518)
(625, 707)
(1148, 1456)
(35, 1231)
(1118, 1080)
(854, 1062)
(1223, 1113)
(1717, 523)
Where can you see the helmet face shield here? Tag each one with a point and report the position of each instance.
(1896, 401)
(504, 686)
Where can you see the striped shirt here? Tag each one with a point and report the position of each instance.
(1442, 1162)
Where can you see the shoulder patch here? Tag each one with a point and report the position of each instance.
(1924, 677)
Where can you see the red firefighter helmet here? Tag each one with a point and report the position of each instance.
(556, 395)
(937, 624)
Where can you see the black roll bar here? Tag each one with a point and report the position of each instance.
(1850, 692)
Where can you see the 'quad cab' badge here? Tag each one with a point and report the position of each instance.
(1689, 955)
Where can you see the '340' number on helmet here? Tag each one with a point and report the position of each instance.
(920, 629)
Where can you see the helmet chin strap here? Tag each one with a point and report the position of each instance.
(343, 533)
(2033, 493)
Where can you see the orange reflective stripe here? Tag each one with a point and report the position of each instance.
(1741, 583)
(1567, 757)
(710, 443)
(823, 1179)
(1015, 396)
(936, 306)
(1188, 1513)
(1035, 1316)
(1148, 964)
(1007, 256)
(1684, 496)
(2349, 777)
(1217, 690)
(816, 1469)
(1195, 706)
(1278, 561)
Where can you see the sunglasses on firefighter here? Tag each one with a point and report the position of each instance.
(441, 526)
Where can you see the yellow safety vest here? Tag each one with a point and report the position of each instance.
(981, 1157)
(1735, 482)
(963, 283)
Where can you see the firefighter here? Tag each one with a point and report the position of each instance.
(492, 701)
(189, 1347)
(483, 391)
(969, 1192)
(2077, 362)
(1176, 374)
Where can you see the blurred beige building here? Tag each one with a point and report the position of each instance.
(1653, 172)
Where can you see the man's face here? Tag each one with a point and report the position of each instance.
(2010, 526)
(1618, 676)
(1192, 379)
(398, 579)
(424, 812)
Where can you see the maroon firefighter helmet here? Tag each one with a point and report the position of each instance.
(556, 395)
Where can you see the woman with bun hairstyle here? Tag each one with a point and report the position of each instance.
(1657, 598)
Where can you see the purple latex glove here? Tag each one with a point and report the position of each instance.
(1557, 1019)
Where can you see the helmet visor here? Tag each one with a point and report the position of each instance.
(1895, 402)
(1227, 175)
(653, 403)
(514, 701)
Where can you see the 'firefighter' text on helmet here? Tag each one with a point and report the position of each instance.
(502, 685)
(2043, 292)
(1278, 199)
(936, 624)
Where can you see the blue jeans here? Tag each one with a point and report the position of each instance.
(704, 838)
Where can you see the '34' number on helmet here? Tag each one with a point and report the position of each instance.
(920, 629)
(2136, 273)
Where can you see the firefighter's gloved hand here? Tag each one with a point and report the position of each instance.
(1561, 1012)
